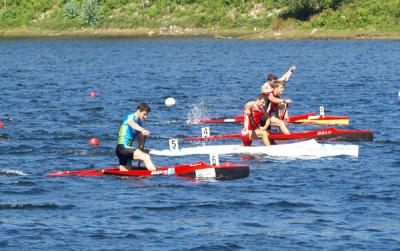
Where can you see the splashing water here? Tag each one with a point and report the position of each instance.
(196, 112)
(10, 172)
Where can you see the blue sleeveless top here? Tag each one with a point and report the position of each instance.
(127, 134)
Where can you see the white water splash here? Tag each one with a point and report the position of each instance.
(196, 112)
(11, 172)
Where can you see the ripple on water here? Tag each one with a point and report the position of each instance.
(18, 150)
(4, 243)
(25, 183)
(287, 205)
(371, 197)
(5, 136)
(178, 207)
(92, 109)
(194, 206)
(33, 191)
(223, 246)
(28, 206)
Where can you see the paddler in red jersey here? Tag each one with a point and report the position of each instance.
(274, 100)
(253, 111)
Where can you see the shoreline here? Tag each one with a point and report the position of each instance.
(177, 32)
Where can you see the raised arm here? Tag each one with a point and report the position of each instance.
(285, 77)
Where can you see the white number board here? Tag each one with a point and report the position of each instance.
(321, 111)
(205, 132)
(214, 159)
(173, 145)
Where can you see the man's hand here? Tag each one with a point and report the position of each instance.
(145, 132)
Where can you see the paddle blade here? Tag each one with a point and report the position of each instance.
(76, 173)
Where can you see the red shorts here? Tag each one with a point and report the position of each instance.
(246, 140)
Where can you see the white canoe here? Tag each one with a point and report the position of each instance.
(308, 148)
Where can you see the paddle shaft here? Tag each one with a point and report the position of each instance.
(142, 148)
(284, 111)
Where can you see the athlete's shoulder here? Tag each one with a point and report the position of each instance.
(266, 87)
(270, 94)
(249, 105)
(128, 117)
(133, 116)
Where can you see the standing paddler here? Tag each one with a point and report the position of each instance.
(132, 128)
(282, 110)
(266, 87)
(274, 100)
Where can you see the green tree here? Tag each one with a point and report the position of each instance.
(303, 9)
(91, 13)
(71, 10)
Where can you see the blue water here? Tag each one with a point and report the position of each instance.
(329, 203)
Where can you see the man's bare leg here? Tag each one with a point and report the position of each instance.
(145, 157)
(279, 123)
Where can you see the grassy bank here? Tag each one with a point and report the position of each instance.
(220, 34)
(267, 19)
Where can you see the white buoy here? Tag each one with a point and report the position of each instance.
(170, 101)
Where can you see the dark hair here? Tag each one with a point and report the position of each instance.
(271, 77)
(143, 107)
(262, 96)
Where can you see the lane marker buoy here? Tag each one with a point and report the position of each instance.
(93, 94)
(94, 141)
(170, 101)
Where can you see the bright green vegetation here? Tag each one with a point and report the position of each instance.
(210, 16)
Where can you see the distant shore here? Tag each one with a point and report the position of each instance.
(177, 32)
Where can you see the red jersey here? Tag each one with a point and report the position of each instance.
(255, 117)
(270, 107)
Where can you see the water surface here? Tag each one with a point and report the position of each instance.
(329, 203)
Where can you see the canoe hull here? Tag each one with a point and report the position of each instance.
(310, 118)
(326, 134)
(198, 170)
(303, 149)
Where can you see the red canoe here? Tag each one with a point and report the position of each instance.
(310, 118)
(331, 134)
(227, 171)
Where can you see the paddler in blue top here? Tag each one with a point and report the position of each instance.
(131, 128)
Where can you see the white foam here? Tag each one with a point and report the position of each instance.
(12, 172)
(196, 112)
